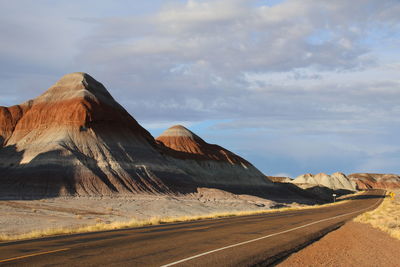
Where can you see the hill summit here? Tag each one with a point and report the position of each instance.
(183, 140)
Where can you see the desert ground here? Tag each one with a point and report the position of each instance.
(24, 216)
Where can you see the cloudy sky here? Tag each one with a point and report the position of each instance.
(293, 86)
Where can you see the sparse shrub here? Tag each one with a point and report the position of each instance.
(393, 225)
(386, 217)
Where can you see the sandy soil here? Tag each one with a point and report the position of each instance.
(354, 244)
(23, 216)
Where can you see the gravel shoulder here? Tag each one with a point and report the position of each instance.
(354, 244)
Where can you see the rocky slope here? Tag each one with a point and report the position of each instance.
(335, 181)
(375, 181)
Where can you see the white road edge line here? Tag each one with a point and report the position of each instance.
(264, 237)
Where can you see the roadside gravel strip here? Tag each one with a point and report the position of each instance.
(354, 244)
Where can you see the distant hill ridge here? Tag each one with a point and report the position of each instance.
(337, 180)
(355, 181)
(279, 179)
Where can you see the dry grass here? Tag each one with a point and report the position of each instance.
(101, 226)
(386, 217)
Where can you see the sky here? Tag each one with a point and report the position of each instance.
(293, 86)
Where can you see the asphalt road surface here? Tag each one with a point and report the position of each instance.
(259, 240)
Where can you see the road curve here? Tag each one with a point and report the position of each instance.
(236, 241)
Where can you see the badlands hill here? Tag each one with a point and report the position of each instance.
(375, 181)
(335, 181)
(208, 164)
(75, 139)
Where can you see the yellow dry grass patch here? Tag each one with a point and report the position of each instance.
(152, 221)
(386, 217)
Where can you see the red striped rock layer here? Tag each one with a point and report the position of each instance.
(9, 117)
(77, 100)
(375, 181)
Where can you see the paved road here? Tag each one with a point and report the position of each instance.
(235, 241)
